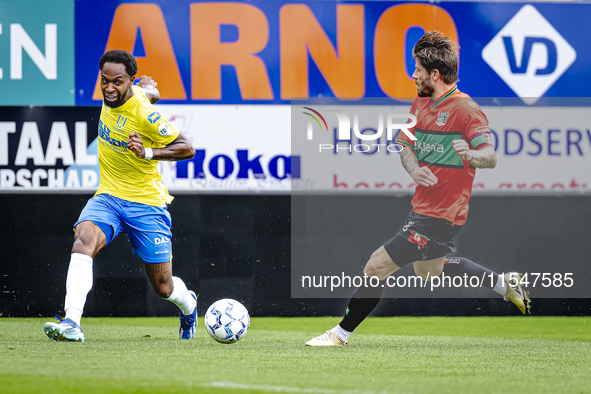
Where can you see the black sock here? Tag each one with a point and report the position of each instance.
(458, 266)
(363, 301)
(366, 298)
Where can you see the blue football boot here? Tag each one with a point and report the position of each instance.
(66, 330)
(188, 323)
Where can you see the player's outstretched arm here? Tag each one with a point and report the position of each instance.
(179, 149)
(483, 158)
(149, 85)
(421, 175)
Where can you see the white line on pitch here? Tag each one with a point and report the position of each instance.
(282, 389)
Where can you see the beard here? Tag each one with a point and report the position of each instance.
(118, 101)
(425, 90)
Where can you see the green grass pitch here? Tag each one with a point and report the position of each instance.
(385, 355)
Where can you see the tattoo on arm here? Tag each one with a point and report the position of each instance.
(173, 152)
(409, 160)
(179, 149)
(486, 158)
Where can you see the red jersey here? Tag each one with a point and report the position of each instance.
(452, 116)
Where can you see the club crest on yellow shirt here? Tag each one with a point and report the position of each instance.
(121, 120)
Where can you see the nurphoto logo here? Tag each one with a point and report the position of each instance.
(386, 122)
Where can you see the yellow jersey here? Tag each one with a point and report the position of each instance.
(123, 174)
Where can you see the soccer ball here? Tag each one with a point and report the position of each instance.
(227, 320)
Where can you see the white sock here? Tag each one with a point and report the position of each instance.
(341, 333)
(181, 297)
(74, 314)
(78, 284)
(500, 286)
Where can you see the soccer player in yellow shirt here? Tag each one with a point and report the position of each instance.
(133, 137)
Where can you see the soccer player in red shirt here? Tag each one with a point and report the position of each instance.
(452, 140)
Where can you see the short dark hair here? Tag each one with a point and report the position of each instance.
(438, 52)
(121, 57)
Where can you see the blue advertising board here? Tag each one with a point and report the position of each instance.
(267, 52)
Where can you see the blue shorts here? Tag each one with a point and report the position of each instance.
(147, 227)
